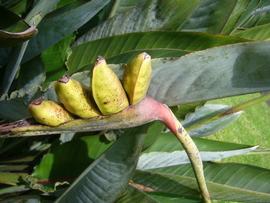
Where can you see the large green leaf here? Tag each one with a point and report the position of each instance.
(166, 151)
(219, 16)
(211, 16)
(107, 177)
(213, 73)
(154, 42)
(78, 154)
(151, 15)
(232, 182)
(243, 18)
(62, 23)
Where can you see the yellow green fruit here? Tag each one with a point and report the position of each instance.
(137, 77)
(48, 112)
(108, 91)
(76, 98)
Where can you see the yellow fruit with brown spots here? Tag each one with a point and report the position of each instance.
(137, 77)
(76, 98)
(49, 112)
(108, 91)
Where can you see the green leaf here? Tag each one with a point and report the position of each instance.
(13, 109)
(124, 5)
(211, 16)
(11, 178)
(217, 16)
(261, 32)
(107, 177)
(14, 168)
(4, 54)
(14, 106)
(212, 73)
(31, 78)
(13, 29)
(171, 198)
(151, 15)
(212, 125)
(13, 66)
(41, 8)
(13, 189)
(166, 151)
(134, 195)
(231, 182)
(160, 183)
(78, 154)
(154, 42)
(9, 3)
(54, 58)
(17, 6)
(62, 23)
(252, 128)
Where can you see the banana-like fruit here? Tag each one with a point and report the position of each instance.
(76, 98)
(137, 77)
(48, 112)
(108, 91)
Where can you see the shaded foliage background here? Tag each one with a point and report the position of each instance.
(201, 50)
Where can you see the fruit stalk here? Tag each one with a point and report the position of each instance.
(191, 149)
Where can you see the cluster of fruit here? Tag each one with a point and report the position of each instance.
(107, 96)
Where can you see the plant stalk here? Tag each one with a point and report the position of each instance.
(189, 146)
(195, 159)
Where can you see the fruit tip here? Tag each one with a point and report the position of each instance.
(100, 60)
(64, 79)
(146, 56)
(37, 101)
